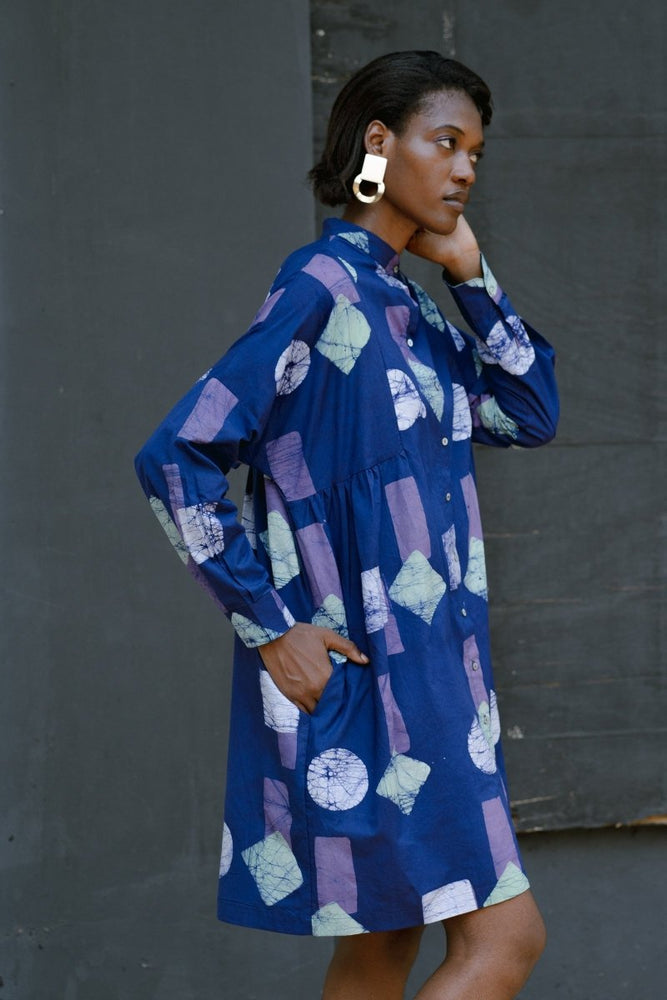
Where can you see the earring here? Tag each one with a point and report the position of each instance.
(372, 172)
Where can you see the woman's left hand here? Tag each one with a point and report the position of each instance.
(458, 252)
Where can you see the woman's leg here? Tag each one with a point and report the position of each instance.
(490, 952)
(372, 966)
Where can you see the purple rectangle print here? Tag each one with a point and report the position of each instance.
(172, 476)
(336, 881)
(399, 741)
(501, 838)
(398, 319)
(333, 276)
(277, 815)
(319, 562)
(288, 466)
(473, 669)
(287, 744)
(472, 506)
(409, 519)
(393, 636)
(266, 307)
(209, 413)
(274, 499)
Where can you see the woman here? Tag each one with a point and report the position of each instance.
(366, 794)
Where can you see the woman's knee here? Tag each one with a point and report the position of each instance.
(537, 936)
(509, 936)
(528, 930)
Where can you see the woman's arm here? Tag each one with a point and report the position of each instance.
(183, 470)
(507, 367)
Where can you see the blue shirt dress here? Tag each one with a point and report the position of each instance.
(354, 404)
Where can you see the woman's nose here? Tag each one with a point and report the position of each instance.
(463, 169)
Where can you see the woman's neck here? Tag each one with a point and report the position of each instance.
(383, 220)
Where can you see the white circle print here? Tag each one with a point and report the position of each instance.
(227, 850)
(292, 367)
(337, 779)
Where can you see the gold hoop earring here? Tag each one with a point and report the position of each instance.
(372, 172)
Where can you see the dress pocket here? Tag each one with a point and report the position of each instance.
(331, 691)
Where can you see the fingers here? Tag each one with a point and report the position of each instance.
(299, 664)
(345, 646)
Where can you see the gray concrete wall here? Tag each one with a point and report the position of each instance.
(569, 207)
(153, 157)
(151, 163)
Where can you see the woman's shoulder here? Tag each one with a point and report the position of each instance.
(315, 269)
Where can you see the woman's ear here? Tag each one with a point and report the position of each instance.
(375, 138)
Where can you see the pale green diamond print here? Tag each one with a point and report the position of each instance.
(169, 527)
(345, 335)
(490, 282)
(331, 614)
(273, 867)
(475, 578)
(429, 383)
(402, 781)
(332, 921)
(495, 420)
(428, 308)
(251, 633)
(511, 883)
(279, 543)
(484, 718)
(418, 587)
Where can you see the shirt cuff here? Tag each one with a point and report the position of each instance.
(267, 619)
(487, 281)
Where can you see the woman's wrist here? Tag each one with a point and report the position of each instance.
(463, 269)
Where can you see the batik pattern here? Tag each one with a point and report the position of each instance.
(355, 403)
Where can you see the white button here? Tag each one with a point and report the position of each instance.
(410, 342)
(395, 268)
(475, 665)
(445, 441)
(448, 497)
(464, 612)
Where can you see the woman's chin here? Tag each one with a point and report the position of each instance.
(442, 227)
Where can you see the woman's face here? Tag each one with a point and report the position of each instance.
(431, 166)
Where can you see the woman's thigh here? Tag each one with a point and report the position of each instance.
(396, 947)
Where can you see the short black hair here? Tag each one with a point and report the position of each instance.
(390, 89)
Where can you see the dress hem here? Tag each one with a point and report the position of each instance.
(243, 917)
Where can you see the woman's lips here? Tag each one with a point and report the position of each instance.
(456, 203)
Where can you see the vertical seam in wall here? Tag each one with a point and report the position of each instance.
(449, 25)
(304, 14)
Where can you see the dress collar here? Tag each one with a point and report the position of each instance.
(363, 240)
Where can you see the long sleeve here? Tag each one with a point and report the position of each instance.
(508, 368)
(183, 467)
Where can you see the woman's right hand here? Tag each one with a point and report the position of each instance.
(299, 663)
(458, 252)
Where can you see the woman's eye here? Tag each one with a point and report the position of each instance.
(448, 142)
